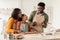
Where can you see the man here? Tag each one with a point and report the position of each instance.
(39, 18)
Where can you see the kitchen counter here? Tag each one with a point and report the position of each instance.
(41, 37)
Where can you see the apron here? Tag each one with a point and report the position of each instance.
(39, 19)
(24, 27)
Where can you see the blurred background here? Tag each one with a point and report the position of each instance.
(27, 6)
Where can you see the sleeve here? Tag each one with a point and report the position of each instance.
(46, 20)
(31, 16)
(18, 25)
(9, 25)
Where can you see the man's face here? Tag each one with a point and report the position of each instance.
(40, 9)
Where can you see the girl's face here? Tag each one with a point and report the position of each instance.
(25, 18)
(20, 13)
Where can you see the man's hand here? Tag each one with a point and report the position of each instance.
(34, 24)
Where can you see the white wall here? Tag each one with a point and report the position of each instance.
(7, 6)
(9, 3)
(56, 14)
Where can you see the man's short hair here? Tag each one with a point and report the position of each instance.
(41, 4)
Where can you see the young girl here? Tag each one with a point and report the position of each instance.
(24, 26)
